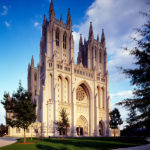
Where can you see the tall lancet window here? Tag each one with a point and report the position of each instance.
(66, 90)
(98, 96)
(95, 54)
(57, 37)
(64, 40)
(60, 88)
(100, 57)
(102, 98)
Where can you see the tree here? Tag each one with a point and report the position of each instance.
(140, 75)
(3, 130)
(21, 108)
(63, 123)
(131, 120)
(115, 119)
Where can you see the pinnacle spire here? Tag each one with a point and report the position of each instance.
(80, 42)
(44, 20)
(51, 11)
(84, 40)
(44, 26)
(103, 37)
(32, 61)
(61, 18)
(91, 36)
(69, 23)
(97, 37)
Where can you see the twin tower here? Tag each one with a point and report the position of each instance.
(92, 52)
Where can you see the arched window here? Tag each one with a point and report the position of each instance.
(57, 37)
(64, 40)
(35, 77)
(66, 90)
(98, 96)
(60, 88)
(102, 98)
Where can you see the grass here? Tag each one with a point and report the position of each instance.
(102, 143)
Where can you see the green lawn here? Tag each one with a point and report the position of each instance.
(77, 144)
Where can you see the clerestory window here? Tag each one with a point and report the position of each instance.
(57, 37)
(100, 59)
(64, 40)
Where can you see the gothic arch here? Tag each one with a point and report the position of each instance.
(89, 103)
(86, 87)
(66, 77)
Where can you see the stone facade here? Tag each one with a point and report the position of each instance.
(57, 82)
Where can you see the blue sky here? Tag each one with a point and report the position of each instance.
(20, 33)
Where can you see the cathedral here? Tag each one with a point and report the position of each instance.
(57, 83)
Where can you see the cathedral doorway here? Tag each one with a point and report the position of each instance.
(79, 131)
(101, 128)
(82, 126)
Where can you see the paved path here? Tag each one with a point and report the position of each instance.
(143, 147)
(7, 141)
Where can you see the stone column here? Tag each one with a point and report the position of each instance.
(44, 112)
(73, 113)
(107, 105)
(62, 90)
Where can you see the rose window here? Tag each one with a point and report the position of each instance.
(80, 94)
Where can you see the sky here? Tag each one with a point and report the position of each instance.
(20, 33)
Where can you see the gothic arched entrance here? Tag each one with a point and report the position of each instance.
(82, 126)
(83, 120)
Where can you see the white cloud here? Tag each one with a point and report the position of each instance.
(4, 10)
(122, 94)
(36, 24)
(7, 24)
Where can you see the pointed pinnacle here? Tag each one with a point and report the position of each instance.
(61, 18)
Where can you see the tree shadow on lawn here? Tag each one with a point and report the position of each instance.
(95, 143)
(48, 147)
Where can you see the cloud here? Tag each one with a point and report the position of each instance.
(7, 24)
(36, 24)
(4, 10)
(122, 94)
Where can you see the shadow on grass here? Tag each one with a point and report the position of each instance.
(48, 147)
(92, 143)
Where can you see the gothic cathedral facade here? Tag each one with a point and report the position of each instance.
(58, 82)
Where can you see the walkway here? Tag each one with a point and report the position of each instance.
(143, 147)
(7, 141)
